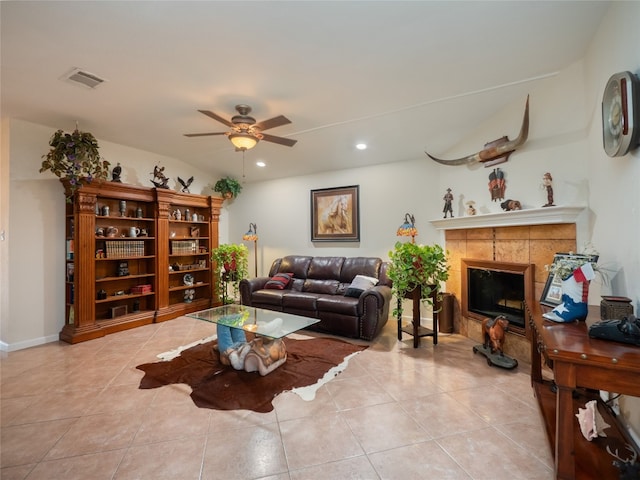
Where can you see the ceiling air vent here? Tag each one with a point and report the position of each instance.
(84, 78)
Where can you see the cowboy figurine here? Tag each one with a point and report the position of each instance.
(448, 201)
(547, 183)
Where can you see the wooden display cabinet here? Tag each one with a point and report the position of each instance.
(118, 254)
(189, 226)
(101, 296)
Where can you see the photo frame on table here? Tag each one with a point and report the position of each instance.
(335, 214)
(552, 291)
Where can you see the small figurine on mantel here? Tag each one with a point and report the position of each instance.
(159, 178)
(115, 173)
(547, 184)
(471, 208)
(448, 203)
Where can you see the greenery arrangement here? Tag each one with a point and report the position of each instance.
(75, 157)
(411, 266)
(228, 187)
(231, 265)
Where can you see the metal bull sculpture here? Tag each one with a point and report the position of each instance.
(494, 152)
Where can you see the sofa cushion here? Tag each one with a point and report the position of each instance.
(299, 301)
(360, 284)
(353, 266)
(325, 268)
(338, 304)
(329, 287)
(296, 264)
(279, 281)
(268, 297)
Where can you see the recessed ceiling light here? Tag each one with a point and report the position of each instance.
(361, 146)
(260, 163)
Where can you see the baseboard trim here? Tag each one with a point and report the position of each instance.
(34, 342)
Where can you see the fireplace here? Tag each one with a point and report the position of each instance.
(492, 288)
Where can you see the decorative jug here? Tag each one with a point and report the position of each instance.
(134, 232)
(112, 231)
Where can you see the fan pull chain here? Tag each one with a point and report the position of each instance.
(243, 164)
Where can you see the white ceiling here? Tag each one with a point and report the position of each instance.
(403, 77)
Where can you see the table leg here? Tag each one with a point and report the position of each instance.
(564, 448)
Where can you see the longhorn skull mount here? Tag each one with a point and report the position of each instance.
(494, 152)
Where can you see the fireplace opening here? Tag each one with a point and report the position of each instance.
(497, 288)
(493, 293)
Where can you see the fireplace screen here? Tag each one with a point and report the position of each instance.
(491, 293)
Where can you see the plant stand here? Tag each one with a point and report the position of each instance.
(414, 328)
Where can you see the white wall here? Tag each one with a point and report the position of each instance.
(33, 300)
(281, 209)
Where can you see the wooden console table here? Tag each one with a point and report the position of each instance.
(581, 366)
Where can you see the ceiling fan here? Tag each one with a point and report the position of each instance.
(245, 133)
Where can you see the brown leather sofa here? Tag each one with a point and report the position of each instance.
(318, 289)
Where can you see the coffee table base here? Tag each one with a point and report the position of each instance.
(265, 355)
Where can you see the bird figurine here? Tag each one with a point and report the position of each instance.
(185, 185)
(116, 173)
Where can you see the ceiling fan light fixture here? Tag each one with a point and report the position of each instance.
(243, 141)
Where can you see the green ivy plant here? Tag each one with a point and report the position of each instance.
(228, 187)
(75, 157)
(411, 266)
(231, 265)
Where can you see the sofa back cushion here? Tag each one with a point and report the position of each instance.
(369, 266)
(325, 268)
(329, 287)
(296, 264)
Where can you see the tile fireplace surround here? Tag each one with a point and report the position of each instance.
(525, 236)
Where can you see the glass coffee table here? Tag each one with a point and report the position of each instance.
(267, 349)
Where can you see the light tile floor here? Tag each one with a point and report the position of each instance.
(75, 412)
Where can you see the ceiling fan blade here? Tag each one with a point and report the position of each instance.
(217, 117)
(204, 134)
(289, 142)
(272, 123)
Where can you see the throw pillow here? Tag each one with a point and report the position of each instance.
(279, 281)
(360, 284)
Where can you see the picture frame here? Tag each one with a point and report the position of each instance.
(552, 291)
(335, 214)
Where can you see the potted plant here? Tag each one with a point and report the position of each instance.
(231, 266)
(414, 266)
(228, 187)
(75, 158)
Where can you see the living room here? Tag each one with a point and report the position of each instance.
(565, 139)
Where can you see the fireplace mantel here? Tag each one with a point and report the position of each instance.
(534, 216)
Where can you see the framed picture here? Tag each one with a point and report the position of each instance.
(335, 214)
(552, 292)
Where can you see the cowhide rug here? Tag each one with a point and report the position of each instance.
(222, 388)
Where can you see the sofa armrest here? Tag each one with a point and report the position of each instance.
(373, 306)
(250, 285)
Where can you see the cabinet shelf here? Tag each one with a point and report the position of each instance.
(116, 298)
(200, 222)
(185, 287)
(126, 277)
(124, 238)
(123, 258)
(116, 217)
(182, 272)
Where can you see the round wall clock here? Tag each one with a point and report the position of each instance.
(621, 114)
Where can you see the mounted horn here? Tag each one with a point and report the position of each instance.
(494, 152)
